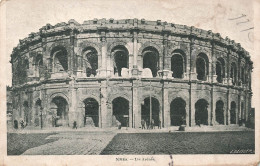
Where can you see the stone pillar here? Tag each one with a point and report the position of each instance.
(103, 70)
(227, 109)
(73, 112)
(193, 73)
(213, 108)
(130, 118)
(134, 69)
(238, 108)
(136, 105)
(104, 111)
(192, 107)
(166, 122)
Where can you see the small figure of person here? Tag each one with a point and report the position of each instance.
(143, 123)
(147, 124)
(198, 122)
(119, 125)
(152, 124)
(159, 124)
(15, 124)
(75, 125)
(22, 124)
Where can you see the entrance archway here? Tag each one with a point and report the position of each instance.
(220, 112)
(60, 111)
(37, 112)
(91, 112)
(233, 113)
(26, 112)
(178, 112)
(120, 59)
(155, 106)
(201, 112)
(120, 111)
(151, 60)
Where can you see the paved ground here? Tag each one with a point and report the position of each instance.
(129, 141)
(74, 143)
(17, 143)
(181, 143)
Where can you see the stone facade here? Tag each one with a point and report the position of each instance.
(105, 72)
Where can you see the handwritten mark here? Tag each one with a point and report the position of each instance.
(250, 36)
(243, 15)
(171, 162)
(247, 29)
(243, 22)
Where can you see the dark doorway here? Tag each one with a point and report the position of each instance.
(90, 61)
(26, 112)
(151, 60)
(178, 112)
(121, 111)
(37, 113)
(60, 59)
(233, 73)
(155, 110)
(120, 59)
(91, 112)
(219, 112)
(201, 112)
(177, 66)
(60, 114)
(233, 113)
(202, 67)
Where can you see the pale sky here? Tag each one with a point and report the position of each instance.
(26, 16)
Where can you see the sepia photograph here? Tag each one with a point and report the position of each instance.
(129, 82)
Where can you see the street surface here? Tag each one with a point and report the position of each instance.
(118, 143)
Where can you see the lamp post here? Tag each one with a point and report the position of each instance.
(41, 116)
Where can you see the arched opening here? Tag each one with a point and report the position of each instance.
(26, 112)
(177, 64)
(220, 69)
(242, 110)
(233, 73)
(37, 112)
(233, 113)
(60, 59)
(219, 112)
(154, 107)
(91, 112)
(39, 65)
(201, 112)
(120, 111)
(60, 109)
(243, 75)
(120, 54)
(151, 60)
(90, 61)
(202, 65)
(178, 112)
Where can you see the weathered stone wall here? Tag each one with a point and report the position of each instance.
(135, 36)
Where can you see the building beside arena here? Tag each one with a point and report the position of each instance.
(105, 72)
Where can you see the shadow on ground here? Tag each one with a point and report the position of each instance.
(17, 143)
(240, 142)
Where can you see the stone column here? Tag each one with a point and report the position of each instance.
(104, 111)
(193, 73)
(103, 70)
(135, 50)
(130, 118)
(73, 114)
(136, 105)
(228, 109)
(213, 108)
(166, 122)
(192, 107)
